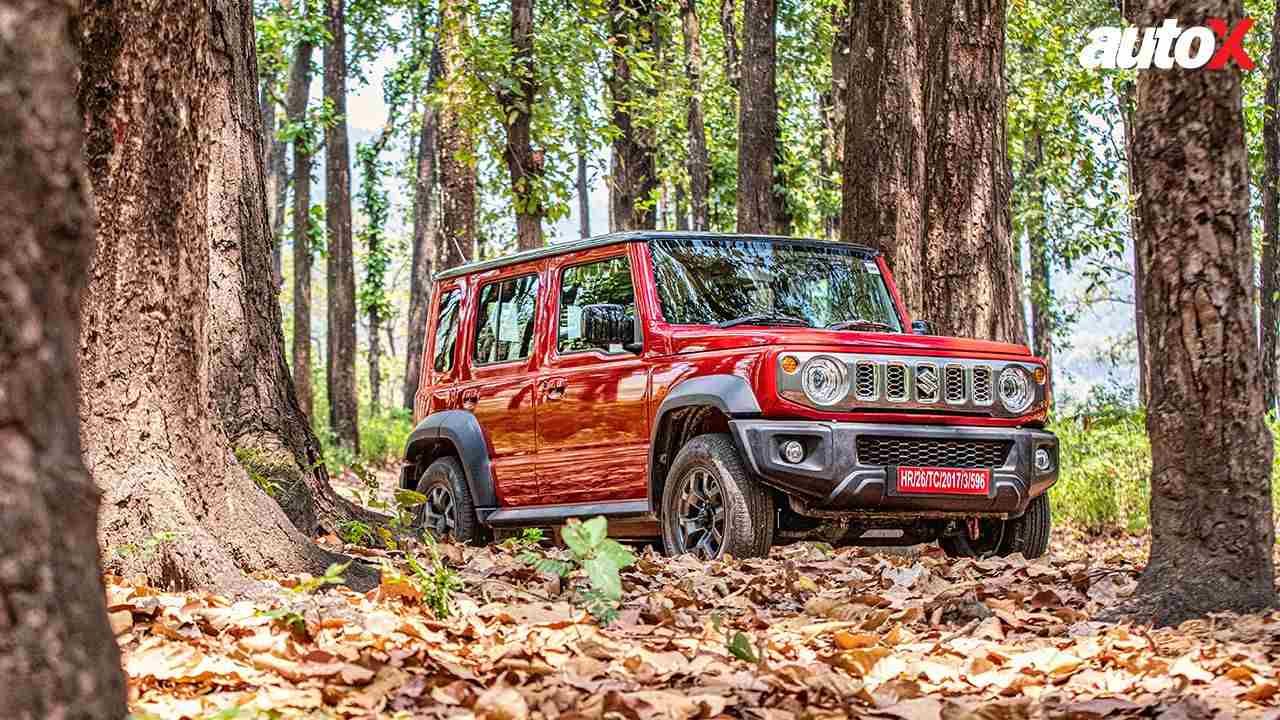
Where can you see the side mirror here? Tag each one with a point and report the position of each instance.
(606, 326)
(921, 327)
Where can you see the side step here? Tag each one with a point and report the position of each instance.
(557, 514)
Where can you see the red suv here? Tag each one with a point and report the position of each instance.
(727, 392)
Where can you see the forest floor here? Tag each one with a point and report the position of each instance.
(810, 632)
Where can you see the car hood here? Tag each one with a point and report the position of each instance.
(700, 339)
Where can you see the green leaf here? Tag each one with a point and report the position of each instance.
(410, 498)
(596, 529)
(740, 647)
(576, 538)
(604, 577)
(616, 553)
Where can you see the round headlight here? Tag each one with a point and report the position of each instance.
(824, 381)
(1015, 390)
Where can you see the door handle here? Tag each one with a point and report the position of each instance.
(555, 388)
(469, 399)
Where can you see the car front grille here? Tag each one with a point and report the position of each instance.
(931, 452)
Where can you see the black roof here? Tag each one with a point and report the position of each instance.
(626, 237)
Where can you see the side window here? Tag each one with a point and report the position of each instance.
(446, 331)
(604, 282)
(505, 320)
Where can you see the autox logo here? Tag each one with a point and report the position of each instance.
(1210, 46)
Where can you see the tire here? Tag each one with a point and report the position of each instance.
(1027, 534)
(456, 518)
(721, 496)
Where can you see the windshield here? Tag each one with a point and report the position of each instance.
(765, 282)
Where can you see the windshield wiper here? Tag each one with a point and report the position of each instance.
(860, 323)
(765, 319)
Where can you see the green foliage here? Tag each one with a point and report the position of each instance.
(355, 532)
(437, 583)
(376, 207)
(528, 539)
(598, 556)
(739, 646)
(266, 472)
(332, 576)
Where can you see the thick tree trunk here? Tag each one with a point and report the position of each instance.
(424, 243)
(56, 650)
(457, 233)
(634, 164)
(761, 209)
(299, 91)
(341, 335)
(835, 101)
(524, 165)
(1128, 104)
(276, 151)
(883, 189)
(699, 164)
(178, 509)
(248, 374)
(1270, 300)
(1211, 516)
(1041, 288)
(729, 27)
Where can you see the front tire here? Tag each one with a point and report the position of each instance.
(449, 510)
(1027, 534)
(711, 506)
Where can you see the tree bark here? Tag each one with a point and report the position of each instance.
(584, 195)
(1211, 512)
(341, 335)
(299, 92)
(761, 208)
(835, 101)
(1128, 104)
(728, 26)
(250, 381)
(178, 509)
(699, 164)
(1270, 299)
(524, 165)
(56, 649)
(1041, 288)
(456, 243)
(277, 179)
(424, 244)
(634, 163)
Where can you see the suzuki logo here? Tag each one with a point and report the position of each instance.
(926, 381)
(1209, 46)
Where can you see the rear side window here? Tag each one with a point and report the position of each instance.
(446, 331)
(607, 282)
(504, 329)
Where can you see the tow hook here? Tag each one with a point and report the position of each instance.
(971, 524)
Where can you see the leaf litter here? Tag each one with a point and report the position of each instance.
(810, 633)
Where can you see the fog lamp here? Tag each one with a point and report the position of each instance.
(1043, 460)
(793, 451)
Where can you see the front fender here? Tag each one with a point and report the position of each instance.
(461, 430)
(730, 394)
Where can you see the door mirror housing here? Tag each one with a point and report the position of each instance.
(921, 327)
(605, 326)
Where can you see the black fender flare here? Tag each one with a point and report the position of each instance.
(730, 394)
(462, 430)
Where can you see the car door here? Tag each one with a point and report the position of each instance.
(437, 387)
(593, 433)
(502, 380)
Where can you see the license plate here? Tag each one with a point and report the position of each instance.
(944, 481)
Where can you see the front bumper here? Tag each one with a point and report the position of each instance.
(831, 477)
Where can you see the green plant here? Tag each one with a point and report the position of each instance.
(600, 557)
(355, 532)
(332, 576)
(528, 539)
(437, 583)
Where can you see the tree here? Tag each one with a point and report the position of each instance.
(424, 240)
(304, 142)
(1211, 516)
(836, 98)
(516, 101)
(762, 207)
(56, 648)
(341, 336)
(277, 176)
(1042, 326)
(699, 162)
(179, 510)
(1270, 299)
(456, 243)
(633, 175)
(934, 99)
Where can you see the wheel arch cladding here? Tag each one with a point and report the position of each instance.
(459, 429)
(698, 404)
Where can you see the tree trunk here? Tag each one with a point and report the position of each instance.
(1211, 516)
(1128, 104)
(299, 92)
(457, 241)
(523, 164)
(248, 375)
(340, 265)
(178, 509)
(277, 180)
(728, 26)
(761, 209)
(634, 165)
(584, 195)
(835, 101)
(56, 649)
(883, 188)
(699, 164)
(424, 243)
(1041, 289)
(1270, 300)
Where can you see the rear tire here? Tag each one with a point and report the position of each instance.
(450, 510)
(1027, 534)
(711, 506)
